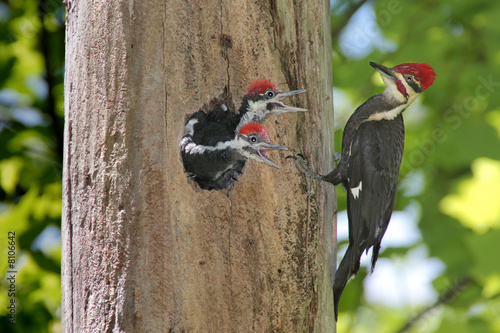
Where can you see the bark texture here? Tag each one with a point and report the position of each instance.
(144, 249)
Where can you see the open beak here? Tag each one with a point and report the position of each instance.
(277, 105)
(386, 71)
(260, 152)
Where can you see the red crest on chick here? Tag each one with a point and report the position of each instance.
(255, 128)
(259, 87)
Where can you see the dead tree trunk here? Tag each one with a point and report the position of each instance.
(144, 250)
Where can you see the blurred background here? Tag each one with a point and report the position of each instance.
(440, 266)
(439, 269)
(31, 132)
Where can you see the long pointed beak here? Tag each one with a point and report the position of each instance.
(286, 108)
(261, 152)
(282, 95)
(279, 107)
(389, 72)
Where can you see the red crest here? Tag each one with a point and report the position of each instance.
(423, 73)
(255, 128)
(259, 87)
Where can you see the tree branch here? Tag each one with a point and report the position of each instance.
(447, 297)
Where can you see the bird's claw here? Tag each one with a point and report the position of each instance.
(301, 164)
(337, 156)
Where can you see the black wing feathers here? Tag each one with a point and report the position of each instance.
(371, 157)
(212, 170)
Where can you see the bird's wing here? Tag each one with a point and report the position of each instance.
(210, 169)
(374, 158)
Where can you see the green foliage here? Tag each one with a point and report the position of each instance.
(31, 81)
(452, 138)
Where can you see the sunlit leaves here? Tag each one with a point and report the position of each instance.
(10, 171)
(491, 286)
(493, 119)
(476, 202)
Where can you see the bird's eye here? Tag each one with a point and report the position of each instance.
(270, 93)
(409, 78)
(253, 139)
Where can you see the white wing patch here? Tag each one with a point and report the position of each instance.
(193, 148)
(185, 140)
(189, 127)
(190, 147)
(355, 190)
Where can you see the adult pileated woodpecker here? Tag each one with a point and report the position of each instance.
(214, 156)
(372, 149)
(206, 142)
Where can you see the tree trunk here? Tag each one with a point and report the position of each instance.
(144, 249)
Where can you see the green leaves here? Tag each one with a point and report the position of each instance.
(452, 143)
(475, 204)
(30, 169)
(484, 248)
(10, 171)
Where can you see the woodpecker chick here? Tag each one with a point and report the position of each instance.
(372, 149)
(214, 156)
(263, 99)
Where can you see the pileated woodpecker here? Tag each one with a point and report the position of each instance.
(372, 149)
(209, 146)
(263, 99)
(214, 156)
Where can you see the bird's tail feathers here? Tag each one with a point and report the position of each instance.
(375, 251)
(349, 267)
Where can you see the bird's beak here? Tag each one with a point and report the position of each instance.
(385, 71)
(277, 106)
(260, 152)
(282, 95)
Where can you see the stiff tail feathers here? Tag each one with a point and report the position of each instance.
(349, 266)
(376, 249)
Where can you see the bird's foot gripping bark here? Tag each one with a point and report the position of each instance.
(301, 164)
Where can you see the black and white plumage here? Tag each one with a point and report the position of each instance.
(372, 150)
(209, 146)
(262, 100)
(214, 156)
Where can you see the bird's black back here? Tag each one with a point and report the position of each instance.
(372, 151)
(377, 152)
(216, 126)
(218, 169)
